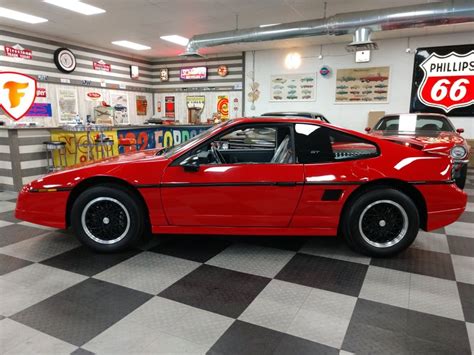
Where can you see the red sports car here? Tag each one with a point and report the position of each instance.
(430, 131)
(255, 176)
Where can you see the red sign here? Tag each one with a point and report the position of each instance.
(94, 95)
(101, 65)
(448, 81)
(169, 107)
(194, 73)
(18, 52)
(40, 92)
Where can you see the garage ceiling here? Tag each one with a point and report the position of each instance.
(144, 21)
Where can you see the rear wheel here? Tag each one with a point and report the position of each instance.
(381, 222)
(107, 218)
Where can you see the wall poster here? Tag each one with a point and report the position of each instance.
(362, 85)
(67, 104)
(169, 107)
(119, 101)
(443, 80)
(141, 105)
(223, 106)
(293, 87)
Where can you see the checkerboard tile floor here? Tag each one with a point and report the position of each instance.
(242, 295)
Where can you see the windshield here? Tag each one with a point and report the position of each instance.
(169, 151)
(414, 124)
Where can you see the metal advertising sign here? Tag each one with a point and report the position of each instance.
(443, 80)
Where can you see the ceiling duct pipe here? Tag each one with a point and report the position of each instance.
(431, 14)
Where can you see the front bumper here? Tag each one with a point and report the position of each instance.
(44, 208)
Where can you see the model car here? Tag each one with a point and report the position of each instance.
(255, 176)
(429, 131)
(313, 115)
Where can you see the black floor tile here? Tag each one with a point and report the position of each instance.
(82, 311)
(461, 245)
(328, 274)
(444, 331)
(419, 261)
(439, 231)
(9, 216)
(10, 263)
(195, 248)
(244, 338)
(15, 233)
(466, 293)
(368, 339)
(84, 261)
(380, 328)
(291, 345)
(284, 243)
(82, 351)
(217, 290)
(467, 217)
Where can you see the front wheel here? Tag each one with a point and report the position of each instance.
(381, 222)
(107, 218)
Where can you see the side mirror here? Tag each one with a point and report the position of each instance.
(368, 129)
(460, 130)
(191, 164)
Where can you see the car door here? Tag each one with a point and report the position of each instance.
(256, 184)
(334, 163)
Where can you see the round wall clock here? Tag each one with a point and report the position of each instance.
(222, 70)
(65, 60)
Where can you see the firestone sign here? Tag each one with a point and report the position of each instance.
(17, 93)
(18, 52)
(444, 80)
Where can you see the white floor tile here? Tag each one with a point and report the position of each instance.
(435, 296)
(463, 268)
(41, 247)
(149, 272)
(431, 241)
(386, 286)
(252, 259)
(461, 229)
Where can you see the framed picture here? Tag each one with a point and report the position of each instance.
(67, 104)
(362, 85)
(293, 87)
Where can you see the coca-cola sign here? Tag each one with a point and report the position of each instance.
(444, 80)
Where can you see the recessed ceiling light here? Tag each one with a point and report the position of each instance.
(20, 16)
(182, 41)
(132, 45)
(269, 25)
(77, 6)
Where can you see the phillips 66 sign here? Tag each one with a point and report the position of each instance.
(443, 80)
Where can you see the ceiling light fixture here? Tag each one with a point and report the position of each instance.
(269, 25)
(76, 6)
(293, 60)
(131, 45)
(182, 41)
(20, 16)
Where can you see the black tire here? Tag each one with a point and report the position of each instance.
(461, 179)
(108, 218)
(367, 230)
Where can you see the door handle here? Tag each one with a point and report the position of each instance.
(286, 183)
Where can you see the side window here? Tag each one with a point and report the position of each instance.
(316, 144)
(256, 144)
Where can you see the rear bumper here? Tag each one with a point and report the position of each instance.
(44, 208)
(444, 204)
